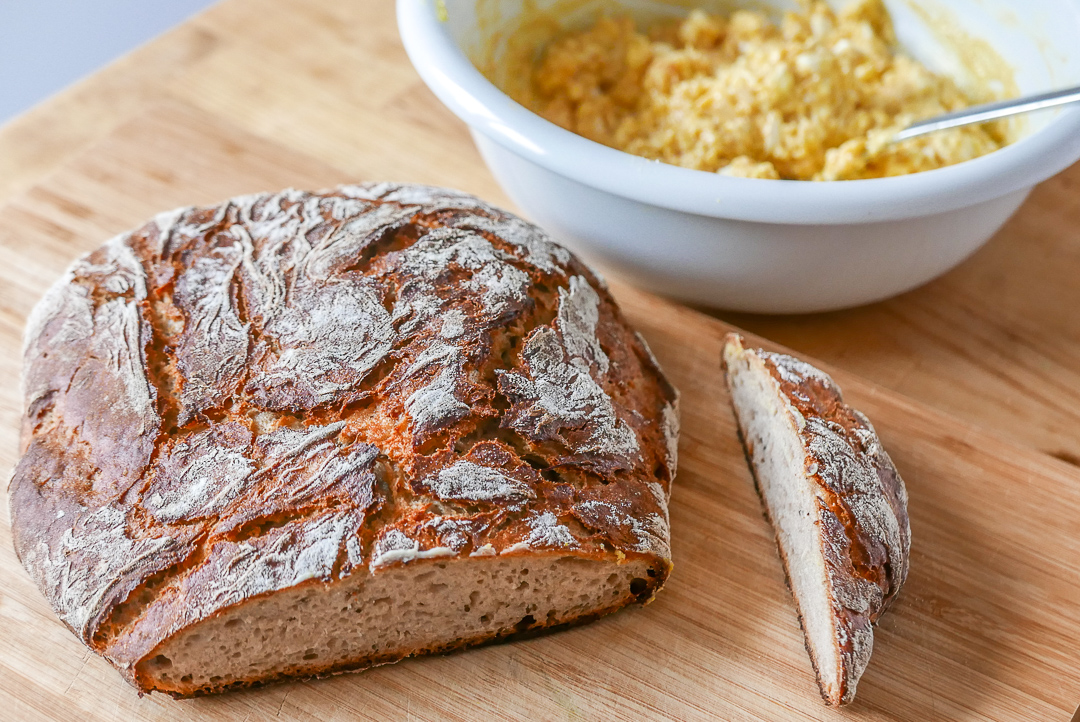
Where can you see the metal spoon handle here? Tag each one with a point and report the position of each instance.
(990, 111)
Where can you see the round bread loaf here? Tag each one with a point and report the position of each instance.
(298, 434)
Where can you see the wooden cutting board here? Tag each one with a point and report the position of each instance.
(988, 626)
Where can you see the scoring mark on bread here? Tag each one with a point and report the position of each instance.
(199, 475)
(556, 397)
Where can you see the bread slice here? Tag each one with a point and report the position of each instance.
(835, 500)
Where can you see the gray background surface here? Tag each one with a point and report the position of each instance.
(46, 45)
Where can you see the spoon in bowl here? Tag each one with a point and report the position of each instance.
(990, 111)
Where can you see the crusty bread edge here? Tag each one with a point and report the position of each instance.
(845, 695)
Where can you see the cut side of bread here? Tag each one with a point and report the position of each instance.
(425, 606)
(834, 499)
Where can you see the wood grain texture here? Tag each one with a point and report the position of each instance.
(995, 342)
(986, 628)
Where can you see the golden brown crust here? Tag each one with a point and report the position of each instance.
(289, 388)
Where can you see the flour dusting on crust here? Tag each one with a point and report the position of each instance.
(200, 475)
(545, 532)
(467, 481)
(795, 371)
(559, 398)
(84, 565)
(395, 547)
(213, 347)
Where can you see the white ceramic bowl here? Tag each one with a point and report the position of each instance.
(760, 245)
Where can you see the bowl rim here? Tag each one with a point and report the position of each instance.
(451, 75)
